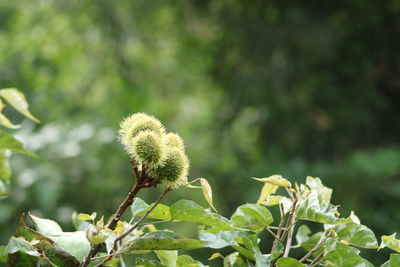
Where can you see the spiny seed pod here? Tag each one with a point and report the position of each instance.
(148, 148)
(131, 126)
(173, 170)
(174, 140)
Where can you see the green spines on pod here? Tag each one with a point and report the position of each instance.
(174, 140)
(131, 126)
(174, 168)
(148, 148)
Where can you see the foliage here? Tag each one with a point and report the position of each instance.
(335, 242)
(8, 143)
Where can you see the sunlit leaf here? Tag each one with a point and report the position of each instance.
(160, 212)
(303, 234)
(167, 257)
(356, 234)
(16, 244)
(234, 260)
(187, 261)
(391, 242)
(277, 180)
(85, 217)
(187, 210)
(340, 255)
(138, 206)
(3, 253)
(288, 262)
(267, 190)
(215, 256)
(79, 224)
(252, 216)
(4, 121)
(164, 240)
(139, 262)
(272, 200)
(207, 192)
(7, 141)
(5, 170)
(17, 100)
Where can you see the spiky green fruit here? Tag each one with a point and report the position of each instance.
(174, 140)
(148, 148)
(131, 126)
(173, 170)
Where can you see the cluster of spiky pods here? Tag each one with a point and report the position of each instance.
(159, 153)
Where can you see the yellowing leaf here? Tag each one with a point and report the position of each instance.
(4, 121)
(272, 200)
(215, 256)
(17, 100)
(266, 191)
(85, 217)
(207, 192)
(275, 180)
(120, 228)
(192, 186)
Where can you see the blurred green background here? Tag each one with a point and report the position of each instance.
(255, 88)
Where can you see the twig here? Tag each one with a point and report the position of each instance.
(315, 248)
(291, 222)
(278, 234)
(316, 260)
(136, 224)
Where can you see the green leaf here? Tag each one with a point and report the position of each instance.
(187, 261)
(357, 234)
(7, 141)
(4, 121)
(167, 257)
(278, 251)
(394, 261)
(340, 255)
(207, 192)
(17, 100)
(277, 180)
(160, 212)
(234, 260)
(266, 191)
(5, 170)
(324, 193)
(16, 244)
(288, 262)
(138, 206)
(312, 208)
(187, 210)
(311, 242)
(86, 217)
(75, 243)
(78, 224)
(391, 242)
(303, 234)
(139, 262)
(252, 216)
(164, 240)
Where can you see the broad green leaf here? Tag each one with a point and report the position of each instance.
(234, 260)
(394, 261)
(16, 244)
(267, 190)
(167, 257)
(53, 251)
(3, 253)
(312, 209)
(187, 210)
(75, 243)
(3, 189)
(340, 255)
(207, 192)
(391, 242)
(187, 261)
(252, 216)
(263, 260)
(277, 180)
(311, 242)
(303, 234)
(7, 141)
(160, 212)
(138, 206)
(278, 251)
(139, 262)
(17, 100)
(356, 234)
(164, 240)
(288, 262)
(5, 170)
(324, 193)
(4, 121)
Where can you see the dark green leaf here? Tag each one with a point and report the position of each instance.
(252, 216)
(139, 262)
(164, 240)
